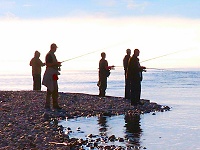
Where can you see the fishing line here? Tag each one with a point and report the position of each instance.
(159, 69)
(178, 71)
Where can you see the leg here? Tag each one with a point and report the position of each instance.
(55, 96)
(138, 92)
(38, 82)
(127, 89)
(103, 86)
(34, 82)
(47, 104)
(135, 92)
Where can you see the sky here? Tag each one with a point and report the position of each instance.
(167, 32)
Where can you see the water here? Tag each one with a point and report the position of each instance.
(177, 129)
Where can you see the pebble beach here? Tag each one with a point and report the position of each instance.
(25, 124)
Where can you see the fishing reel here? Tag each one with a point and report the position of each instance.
(143, 69)
(59, 66)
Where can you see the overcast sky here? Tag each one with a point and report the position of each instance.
(156, 27)
(33, 9)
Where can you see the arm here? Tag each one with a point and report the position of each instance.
(50, 63)
(136, 66)
(31, 62)
(41, 63)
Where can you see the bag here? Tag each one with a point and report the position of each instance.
(107, 73)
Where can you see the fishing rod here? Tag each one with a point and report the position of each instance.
(161, 69)
(178, 71)
(94, 51)
(80, 56)
(165, 55)
(149, 68)
(160, 57)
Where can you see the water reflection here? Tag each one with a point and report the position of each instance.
(133, 130)
(132, 126)
(102, 121)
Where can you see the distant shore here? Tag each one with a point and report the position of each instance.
(25, 124)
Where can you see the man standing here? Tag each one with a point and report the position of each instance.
(36, 64)
(104, 72)
(134, 74)
(127, 82)
(51, 76)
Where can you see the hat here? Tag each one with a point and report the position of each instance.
(54, 45)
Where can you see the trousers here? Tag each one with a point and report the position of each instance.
(54, 95)
(37, 82)
(135, 91)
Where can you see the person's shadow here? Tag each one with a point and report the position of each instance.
(133, 130)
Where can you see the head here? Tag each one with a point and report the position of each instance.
(136, 52)
(37, 54)
(128, 51)
(103, 55)
(53, 47)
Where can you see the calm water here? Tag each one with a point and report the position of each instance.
(177, 129)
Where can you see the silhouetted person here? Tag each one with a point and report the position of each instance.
(127, 82)
(51, 76)
(36, 64)
(134, 74)
(104, 72)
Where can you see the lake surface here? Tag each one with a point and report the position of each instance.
(177, 129)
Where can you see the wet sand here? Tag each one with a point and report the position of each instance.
(25, 124)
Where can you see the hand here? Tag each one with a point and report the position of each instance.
(112, 67)
(59, 64)
(143, 68)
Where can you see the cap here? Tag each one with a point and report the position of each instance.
(53, 45)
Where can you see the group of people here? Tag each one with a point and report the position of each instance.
(50, 76)
(133, 76)
(132, 68)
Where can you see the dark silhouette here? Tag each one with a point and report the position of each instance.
(104, 72)
(36, 64)
(134, 74)
(127, 82)
(51, 76)
(133, 130)
(102, 121)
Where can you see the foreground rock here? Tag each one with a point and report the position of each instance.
(25, 124)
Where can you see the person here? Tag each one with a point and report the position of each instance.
(134, 74)
(51, 76)
(104, 72)
(36, 64)
(125, 65)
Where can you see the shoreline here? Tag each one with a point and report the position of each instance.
(25, 122)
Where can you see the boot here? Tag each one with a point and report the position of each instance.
(55, 100)
(102, 93)
(133, 102)
(55, 104)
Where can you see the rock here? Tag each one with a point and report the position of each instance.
(29, 126)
